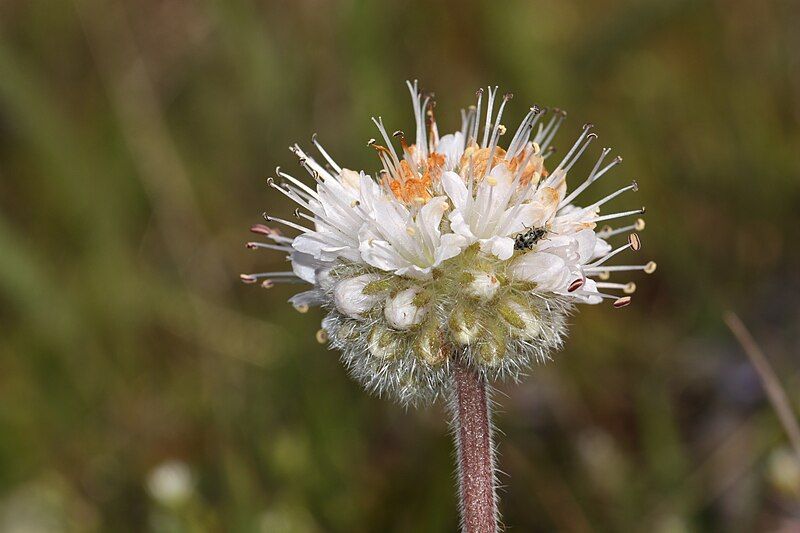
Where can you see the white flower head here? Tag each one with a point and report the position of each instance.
(456, 248)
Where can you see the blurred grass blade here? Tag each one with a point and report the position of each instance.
(775, 392)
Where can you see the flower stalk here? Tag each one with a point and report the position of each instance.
(472, 428)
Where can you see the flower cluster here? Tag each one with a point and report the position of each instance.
(456, 248)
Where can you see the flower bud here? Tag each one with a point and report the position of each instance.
(382, 343)
(464, 325)
(523, 321)
(349, 296)
(491, 351)
(402, 311)
(428, 346)
(483, 285)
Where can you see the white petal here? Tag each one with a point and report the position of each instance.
(547, 270)
(500, 247)
(456, 189)
(304, 266)
(451, 147)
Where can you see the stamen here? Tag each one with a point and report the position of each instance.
(544, 130)
(379, 123)
(496, 132)
(633, 243)
(489, 109)
(622, 302)
(523, 133)
(297, 182)
(327, 157)
(419, 118)
(632, 187)
(281, 276)
(627, 288)
(308, 162)
(620, 215)
(648, 268)
(546, 143)
(476, 124)
(263, 230)
(289, 194)
(287, 223)
(581, 137)
(575, 285)
(576, 158)
(593, 175)
(255, 245)
(607, 231)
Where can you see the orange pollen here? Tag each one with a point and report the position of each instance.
(412, 187)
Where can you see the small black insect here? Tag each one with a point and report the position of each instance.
(527, 240)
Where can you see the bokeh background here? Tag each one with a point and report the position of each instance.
(143, 388)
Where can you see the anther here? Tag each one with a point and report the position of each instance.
(371, 142)
(622, 302)
(501, 129)
(629, 288)
(398, 133)
(479, 92)
(508, 96)
(411, 231)
(301, 308)
(635, 185)
(604, 275)
(634, 242)
(247, 278)
(639, 225)
(650, 267)
(491, 181)
(251, 246)
(321, 336)
(592, 136)
(297, 213)
(588, 126)
(262, 229)
(267, 284)
(575, 285)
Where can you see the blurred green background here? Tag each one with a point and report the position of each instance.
(143, 388)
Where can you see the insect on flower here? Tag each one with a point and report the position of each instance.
(457, 248)
(527, 240)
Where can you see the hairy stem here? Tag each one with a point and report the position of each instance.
(472, 428)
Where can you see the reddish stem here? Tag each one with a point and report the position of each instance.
(475, 451)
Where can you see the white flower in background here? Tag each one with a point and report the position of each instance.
(171, 483)
(457, 247)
